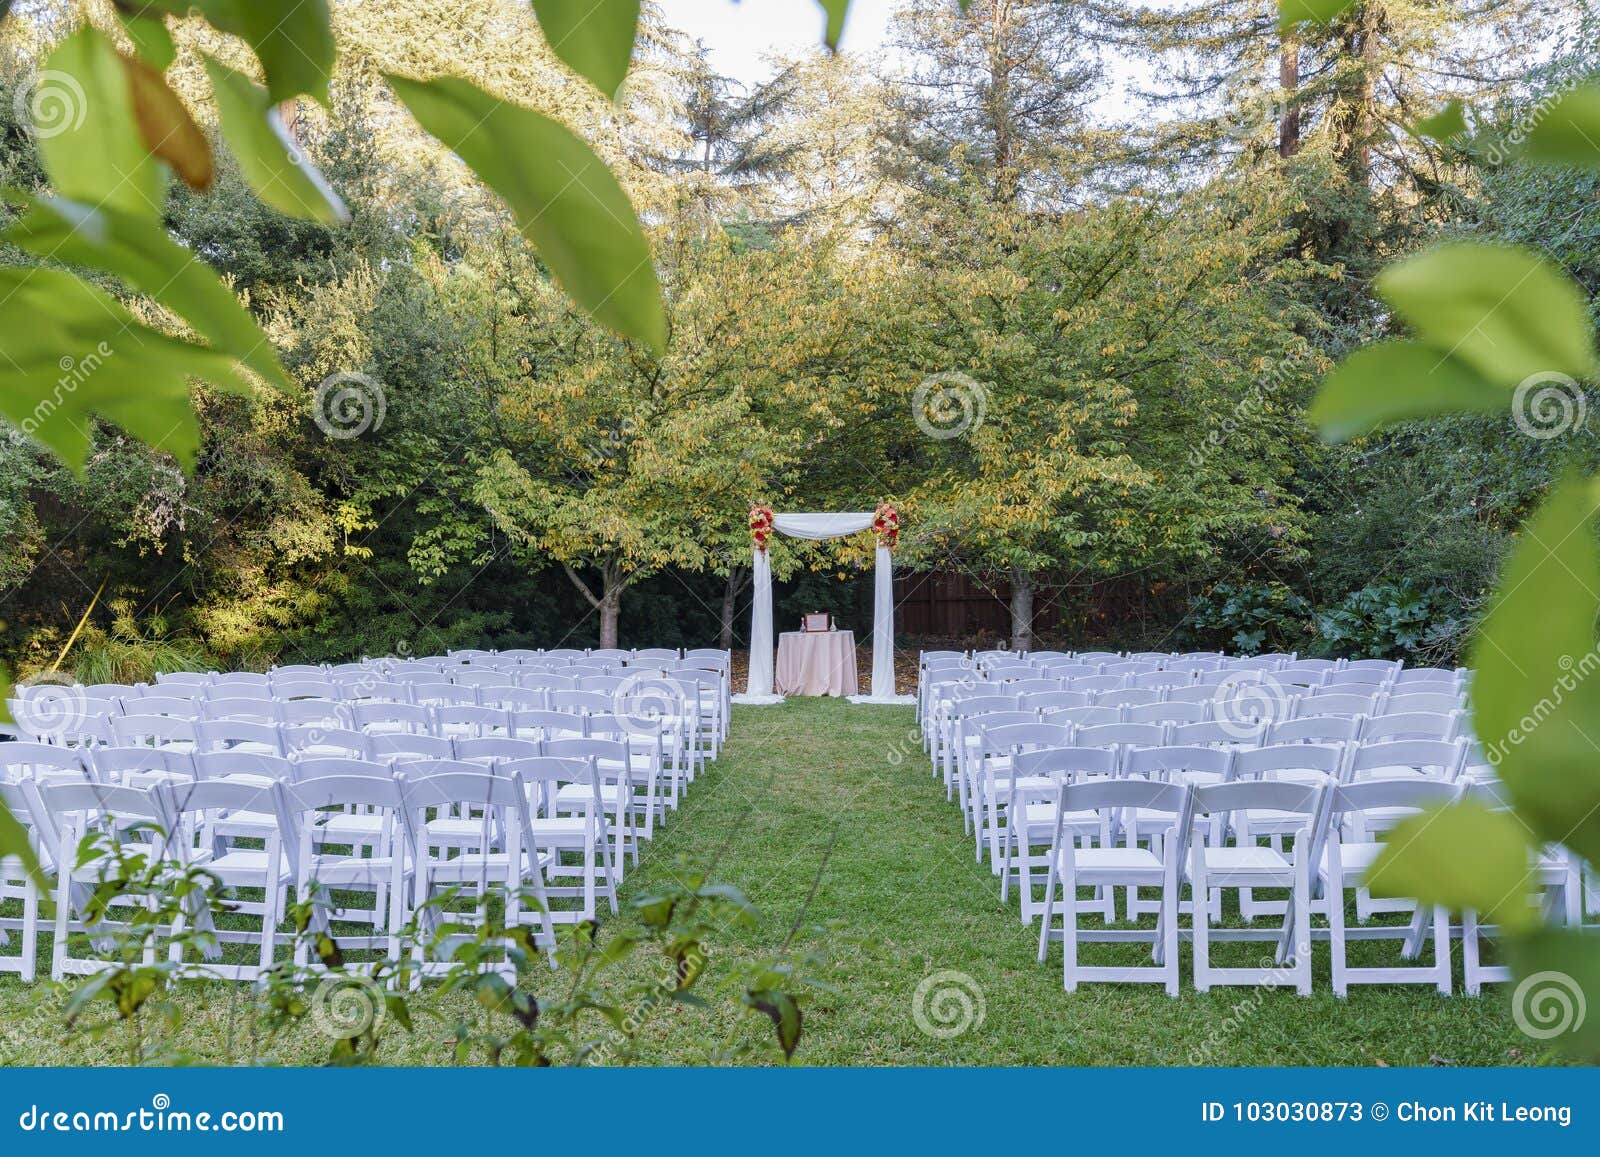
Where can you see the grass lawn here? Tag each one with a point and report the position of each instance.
(912, 902)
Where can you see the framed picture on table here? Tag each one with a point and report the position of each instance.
(816, 621)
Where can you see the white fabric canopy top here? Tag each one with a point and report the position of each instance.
(817, 526)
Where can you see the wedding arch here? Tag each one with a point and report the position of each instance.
(885, 523)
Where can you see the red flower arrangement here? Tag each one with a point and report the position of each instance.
(886, 525)
(760, 526)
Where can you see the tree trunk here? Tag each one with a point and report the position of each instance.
(738, 577)
(1021, 610)
(610, 608)
(609, 601)
(1289, 83)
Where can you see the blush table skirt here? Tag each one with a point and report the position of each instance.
(816, 663)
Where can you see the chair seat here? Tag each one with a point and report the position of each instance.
(1114, 860)
(568, 831)
(1249, 862)
(242, 865)
(1355, 858)
(348, 870)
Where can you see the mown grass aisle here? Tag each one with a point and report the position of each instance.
(902, 880)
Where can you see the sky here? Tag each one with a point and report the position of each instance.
(739, 35)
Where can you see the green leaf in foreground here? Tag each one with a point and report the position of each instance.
(1557, 995)
(81, 114)
(141, 254)
(1569, 132)
(1461, 856)
(594, 38)
(271, 166)
(13, 836)
(562, 195)
(1444, 125)
(1396, 381)
(293, 39)
(1536, 689)
(1504, 311)
(73, 351)
(836, 11)
(1293, 13)
(149, 34)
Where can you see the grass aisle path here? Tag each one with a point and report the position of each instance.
(902, 877)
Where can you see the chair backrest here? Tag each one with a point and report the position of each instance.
(1374, 794)
(548, 724)
(1304, 799)
(1121, 735)
(323, 766)
(1053, 700)
(1269, 762)
(1316, 729)
(22, 760)
(303, 689)
(1186, 713)
(262, 710)
(372, 716)
(1433, 758)
(1065, 763)
(494, 749)
(1084, 716)
(325, 741)
(511, 697)
(1158, 680)
(443, 694)
(1209, 732)
(587, 702)
(221, 734)
(1336, 704)
(1404, 702)
(236, 690)
(1023, 736)
(981, 705)
(396, 746)
(221, 764)
(467, 720)
(152, 729)
(1385, 666)
(1098, 683)
(1411, 725)
(113, 763)
(175, 705)
(1101, 794)
(1070, 670)
(1168, 762)
(1127, 697)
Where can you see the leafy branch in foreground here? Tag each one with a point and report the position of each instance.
(1492, 328)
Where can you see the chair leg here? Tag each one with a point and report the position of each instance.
(1069, 932)
(1335, 894)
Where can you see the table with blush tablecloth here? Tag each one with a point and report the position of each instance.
(816, 663)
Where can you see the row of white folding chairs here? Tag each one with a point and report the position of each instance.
(1417, 715)
(984, 768)
(1175, 831)
(1186, 685)
(658, 778)
(430, 824)
(689, 724)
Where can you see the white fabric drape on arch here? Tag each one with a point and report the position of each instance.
(758, 688)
